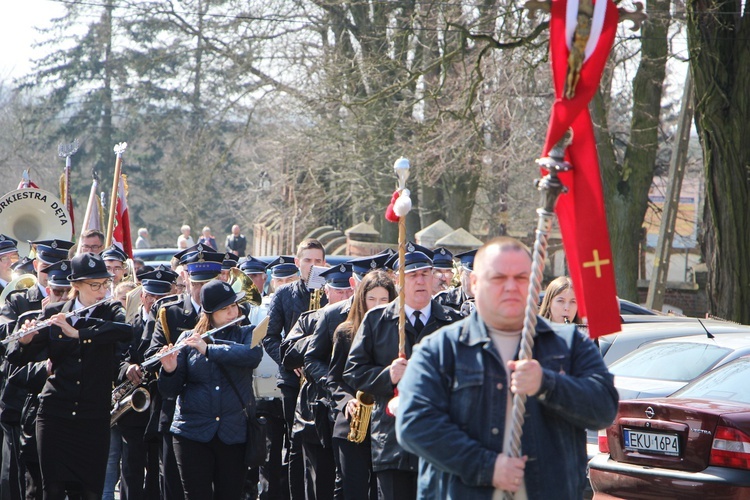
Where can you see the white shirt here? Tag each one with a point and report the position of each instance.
(424, 313)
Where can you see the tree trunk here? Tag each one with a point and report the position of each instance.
(720, 65)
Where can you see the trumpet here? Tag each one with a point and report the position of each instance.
(41, 325)
(153, 361)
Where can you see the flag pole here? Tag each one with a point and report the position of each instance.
(551, 188)
(401, 168)
(66, 151)
(119, 149)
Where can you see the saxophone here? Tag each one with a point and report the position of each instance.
(129, 396)
(361, 418)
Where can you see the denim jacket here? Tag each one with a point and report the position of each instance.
(206, 403)
(453, 404)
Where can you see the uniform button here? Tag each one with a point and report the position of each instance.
(499, 386)
(76, 403)
(217, 419)
(74, 413)
(60, 336)
(217, 387)
(78, 382)
(495, 431)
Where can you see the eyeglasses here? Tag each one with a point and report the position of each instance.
(91, 247)
(180, 287)
(115, 269)
(98, 285)
(58, 291)
(9, 258)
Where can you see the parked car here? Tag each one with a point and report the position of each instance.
(155, 256)
(662, 367)
(634, 335)
(692, 444)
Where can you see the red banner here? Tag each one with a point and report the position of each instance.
(121, 232)
(581, 213)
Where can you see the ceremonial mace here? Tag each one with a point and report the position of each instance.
(119, 149)
(66, 151)
(550, 188)
(401, 207)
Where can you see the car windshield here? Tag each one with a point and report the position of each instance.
(726, 383)
(675, 361)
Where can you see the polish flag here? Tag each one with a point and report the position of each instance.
(121, 232)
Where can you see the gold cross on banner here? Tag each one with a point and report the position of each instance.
(597, 263)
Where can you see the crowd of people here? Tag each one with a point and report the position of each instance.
(364, 393)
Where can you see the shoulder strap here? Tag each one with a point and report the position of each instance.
(164, 324)
(234, 388)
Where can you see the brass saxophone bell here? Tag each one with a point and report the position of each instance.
(361, 418)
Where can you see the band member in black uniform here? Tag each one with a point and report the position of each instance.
(29, 381)
(116, 261)
(230, 261)
(312, 427)
(255, 269)
(442, 262)
(23, 266)
(173, 318)
(374, 366)
(353, 460)
(458, 298)
(73, 420)
(8, 257)
(288, 303)
(18, 303)
(139, 451)
(210, 425)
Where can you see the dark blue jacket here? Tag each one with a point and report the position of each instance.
(206, 403)
(453, 404)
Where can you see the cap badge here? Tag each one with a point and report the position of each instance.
(63, 267)
(442, 251)
(281, 260)
(342, 268)
(409, 247)
(227, 288)
(373, 264)
(200, 247)
(200, 256)
(92, 264)
(54, 244)
(2, 237)
(158, 275)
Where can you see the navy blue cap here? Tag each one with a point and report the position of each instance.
(442, 258)
(364, 265)
(338, 276)
(283, 267)
(203, 266)
(182, 256)
(51, 251)
(217, 294)
(230, 261)
(157, 287)
(7, 244)
(57, 274)
(88, 266)
(416, 257)
(251, 265)
(23, 266)
(466, 259)
(161, 273)
(114, 253)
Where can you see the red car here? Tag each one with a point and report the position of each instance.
(692, 444)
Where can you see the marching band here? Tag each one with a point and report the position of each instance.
(102, 387)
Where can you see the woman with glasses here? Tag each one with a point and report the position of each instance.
(213, 381)
(72, 427)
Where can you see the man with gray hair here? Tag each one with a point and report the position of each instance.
(142, 240)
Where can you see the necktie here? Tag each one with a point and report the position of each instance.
(418, 325)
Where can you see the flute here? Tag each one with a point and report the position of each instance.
(152, 361)
(40, 325)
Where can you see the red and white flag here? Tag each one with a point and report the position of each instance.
(26, 182)
(121, 232)
(581, 213)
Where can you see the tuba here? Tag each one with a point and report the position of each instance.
(34, 214)
(21, 283)
(240, 282)
(361, 419)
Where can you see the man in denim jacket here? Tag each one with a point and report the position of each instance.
(455, 400)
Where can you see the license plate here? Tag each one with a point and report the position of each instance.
(652, 442)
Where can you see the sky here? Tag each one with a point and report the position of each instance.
(17, 33)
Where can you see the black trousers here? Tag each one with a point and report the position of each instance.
(354, 462)
(11, 467)
(140, 465)
(274, 484)
(320, 471)
(396, 485)
(294, 457)
(33, 481)
(210, 470)
(171, 485)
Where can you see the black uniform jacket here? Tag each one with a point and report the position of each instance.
(373, 350)
(452, 297)
(318, 355)
(287, 304)
(83, 369)
(340, 392)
